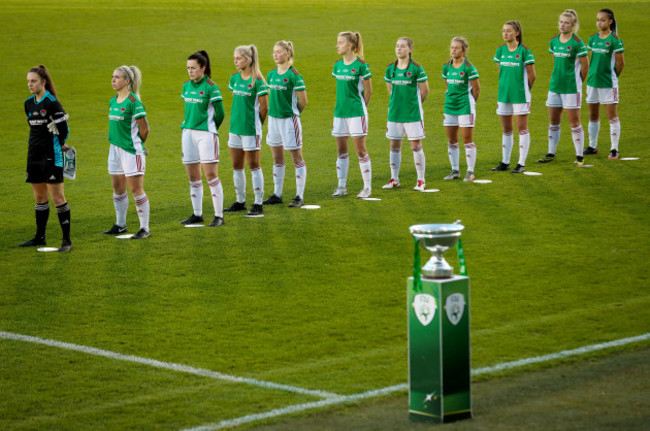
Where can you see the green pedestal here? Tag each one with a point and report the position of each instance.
(439, 354)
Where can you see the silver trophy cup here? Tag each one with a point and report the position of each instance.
(437, 238)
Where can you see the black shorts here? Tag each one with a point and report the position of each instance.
(44, 174)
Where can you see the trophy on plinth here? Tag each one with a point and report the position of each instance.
(438, 329)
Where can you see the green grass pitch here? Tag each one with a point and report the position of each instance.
(313, 299)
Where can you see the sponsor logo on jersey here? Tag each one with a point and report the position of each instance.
(400, 82)
(242, 93)
(193, 100)
(509, 64)
(116, 117)
(345, 77)
(38, 122)
(35, 113)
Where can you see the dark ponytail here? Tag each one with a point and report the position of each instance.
(203, 59)
(42, 71)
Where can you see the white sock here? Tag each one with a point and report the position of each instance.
(578, 135)
(278, 179)
(366, 171)
(196, 194)
(420, 162)
(507, 141)
(395, 158)
(301, 177)
(470, 155)
(615, 132)
(524, 146)
(121, 204)
(593, 129)
(239, 179)
(454, 156)
(142, 205)
(216, 190)
(553, 138)
(342, 165)
(258, 185)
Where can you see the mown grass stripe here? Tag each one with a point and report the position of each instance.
(229, 423)
(165, 365)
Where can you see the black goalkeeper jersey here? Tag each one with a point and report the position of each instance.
(45, 147)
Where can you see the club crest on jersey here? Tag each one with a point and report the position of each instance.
(201, 93)
(462, 73)
(250, 85)
(455, 307)
(354, 71)
(43, 112)
(606, 43)
(123, 109)
(425, 307)
(517, 56)
(285, 80)
(568, 48)
(409, 74)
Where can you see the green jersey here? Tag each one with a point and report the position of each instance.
(458, 98)
(566, 77)
(602, 68)
(405, 104)
(123, 129)
(283, 101)
(245, 113)
(513, 76)
(200, 100)
(349, 88)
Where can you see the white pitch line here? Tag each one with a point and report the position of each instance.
(229, 423)
(166, 365)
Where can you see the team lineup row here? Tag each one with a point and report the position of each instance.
(282, 97)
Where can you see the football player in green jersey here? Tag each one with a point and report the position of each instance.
(287, 99)
(127, 131)
(200, 142)
(605, 67)
(46, 144)
(463, 88)
(407, 86)
(570, 66)
(250, 104)
(353, 91)
(516, 65)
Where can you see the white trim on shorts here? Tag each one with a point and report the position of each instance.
(604, 96)
(513, 108)
(397, 130)
(284, 132)
(459, 120)
(121, 162)
(199, 146)
(245, 142)
(566, 101)
(350, 126)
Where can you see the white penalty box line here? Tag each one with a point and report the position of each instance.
(230, 423)
(167, 365)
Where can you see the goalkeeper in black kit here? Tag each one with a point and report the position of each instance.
(48, 132)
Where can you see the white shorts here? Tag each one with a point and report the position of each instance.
(285, 132)
(121, 162)
(566, 101)
(245, 142)
(352, 126)
(414, 131)
(513, 108)
(200, 146)
(605, 96)
(459, 120)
